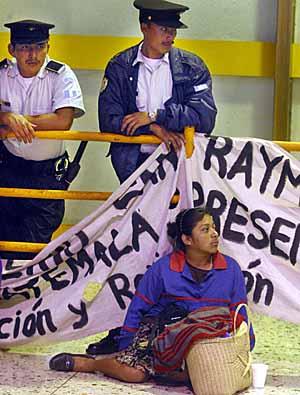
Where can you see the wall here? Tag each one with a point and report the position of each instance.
(245, 104)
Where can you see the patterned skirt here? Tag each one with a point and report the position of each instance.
(139, 355)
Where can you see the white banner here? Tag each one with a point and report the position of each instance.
(82, 282)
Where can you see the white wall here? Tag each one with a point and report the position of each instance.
(245, 104)
(249, 20)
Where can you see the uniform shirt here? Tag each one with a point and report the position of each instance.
(47, 92)
(154, 86)
(169, 280)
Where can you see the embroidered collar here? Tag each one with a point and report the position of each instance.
(177, 261)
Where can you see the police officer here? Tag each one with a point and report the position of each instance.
(36, 93)
(154, 88)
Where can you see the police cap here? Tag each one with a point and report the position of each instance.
(28, 31)
(161, 12)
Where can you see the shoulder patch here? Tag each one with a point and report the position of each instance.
(103, 84)
(4, 64)
(54, 66)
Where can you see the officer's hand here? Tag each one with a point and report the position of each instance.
(132, 122)
(19, 126)
(171, 139)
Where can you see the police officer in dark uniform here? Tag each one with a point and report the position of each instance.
(36, 93)
(153, 88)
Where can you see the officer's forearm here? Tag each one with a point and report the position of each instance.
(60, 120)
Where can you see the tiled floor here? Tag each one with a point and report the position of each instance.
(24, 370)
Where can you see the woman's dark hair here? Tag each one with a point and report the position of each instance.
(185, 222)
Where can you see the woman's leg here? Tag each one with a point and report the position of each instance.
(110, 367)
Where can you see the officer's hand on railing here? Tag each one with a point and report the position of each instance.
(22, 129)
(169, 138)
(132, 122)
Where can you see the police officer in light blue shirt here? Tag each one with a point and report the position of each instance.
(36, 93)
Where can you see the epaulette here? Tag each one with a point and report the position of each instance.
(54, 66)
(4, 63)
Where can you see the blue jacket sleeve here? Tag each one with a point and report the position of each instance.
(197, 108)
(115, 101)
(239, 296)
(147, 295)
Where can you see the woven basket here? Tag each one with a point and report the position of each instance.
(221, 366)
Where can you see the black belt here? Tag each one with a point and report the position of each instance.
(56, 166)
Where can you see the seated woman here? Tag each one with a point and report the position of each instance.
(193, 276)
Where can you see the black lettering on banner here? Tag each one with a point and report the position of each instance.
(295, 246)
(11, 265)
(113, 250)
(65, 248)
(233, 217)
(83, 238)
(172, 158)
(123, 202)
(216, 211)
(276, 235)
(259, 283)
(4, 321)
(243, 164)
(158, 174)
(199, 198)
(139, 226)
(72, 264)
(269, 168)
(82, 259)
(10, 276)
(148, 175)
(57, 254)
(82, 312)
(20, 290)
(33, 323)
(252, 240)
(121, 291)
(286, 174)
(54, 281)
(100, 253)
(37, 321)
(219, 153)
(17, 324)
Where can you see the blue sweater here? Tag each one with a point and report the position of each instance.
(170, 280)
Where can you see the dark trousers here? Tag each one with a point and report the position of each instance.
(29, 220)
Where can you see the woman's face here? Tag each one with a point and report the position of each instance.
(204, 237)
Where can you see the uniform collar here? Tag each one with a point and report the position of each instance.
(14, 71)
(177, 261)
(139, 57)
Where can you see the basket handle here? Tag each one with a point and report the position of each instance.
(245, 362)
(240, 306)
